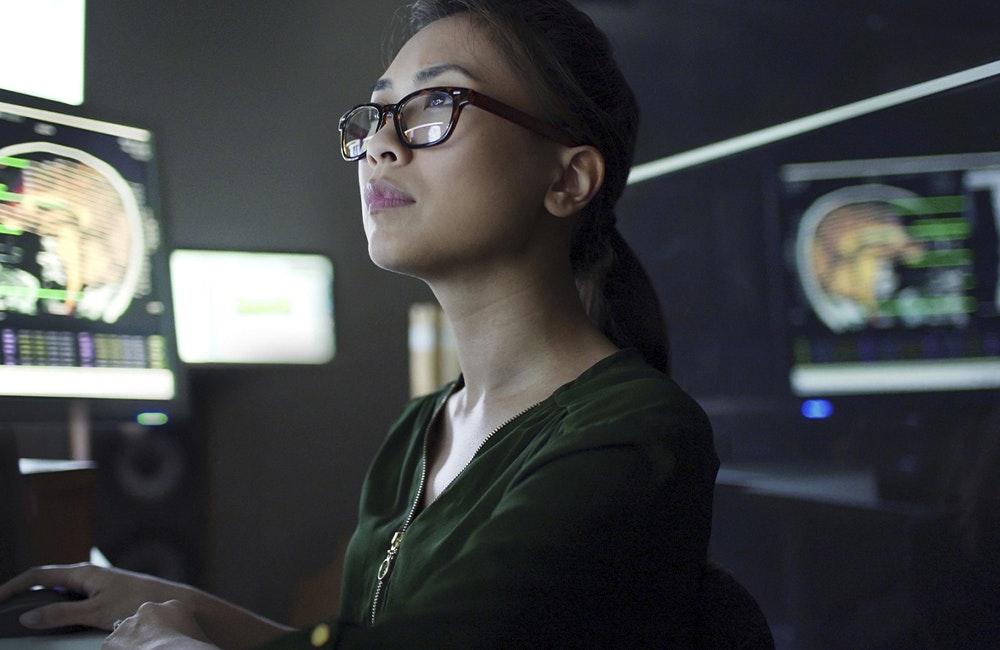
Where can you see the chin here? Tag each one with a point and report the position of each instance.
(394, 261)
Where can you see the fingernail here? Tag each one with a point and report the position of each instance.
(30, 619)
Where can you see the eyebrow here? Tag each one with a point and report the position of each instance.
(427, 74)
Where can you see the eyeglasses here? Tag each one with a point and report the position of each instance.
(427, 117)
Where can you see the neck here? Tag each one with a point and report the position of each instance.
(519, 339)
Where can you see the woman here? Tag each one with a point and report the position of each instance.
(559, 493)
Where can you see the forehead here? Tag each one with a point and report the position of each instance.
(453, 50)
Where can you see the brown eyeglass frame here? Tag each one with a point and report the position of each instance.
(461, 97)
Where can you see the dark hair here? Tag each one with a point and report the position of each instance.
(570, 65)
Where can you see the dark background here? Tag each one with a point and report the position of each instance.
(244, 97)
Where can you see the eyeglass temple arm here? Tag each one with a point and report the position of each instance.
(523, 119)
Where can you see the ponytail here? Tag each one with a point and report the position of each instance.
(620, 299)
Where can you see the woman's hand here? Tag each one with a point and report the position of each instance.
(111, 595)
(114, 595)
(159, 625)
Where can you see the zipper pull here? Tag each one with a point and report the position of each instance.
(383, 569)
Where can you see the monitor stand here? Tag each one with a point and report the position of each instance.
(78, 426)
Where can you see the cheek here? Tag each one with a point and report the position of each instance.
(363, 174)
(499, 169)
(496, 209)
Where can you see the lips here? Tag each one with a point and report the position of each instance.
(382, 195)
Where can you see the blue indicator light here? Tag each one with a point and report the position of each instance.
(817, 409)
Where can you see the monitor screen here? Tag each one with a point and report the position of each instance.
(54, 31)
(892, 269)
(253, 307)
(85, 310)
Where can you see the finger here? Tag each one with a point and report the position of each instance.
(19, 583)
(60, 615)
(70, 577)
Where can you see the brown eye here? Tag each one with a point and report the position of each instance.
(426, 118)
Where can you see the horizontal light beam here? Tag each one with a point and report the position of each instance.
(723, 148)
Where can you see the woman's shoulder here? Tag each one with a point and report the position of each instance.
(624, 384)
(624, 403)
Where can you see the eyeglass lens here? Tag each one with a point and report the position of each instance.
(422, 119)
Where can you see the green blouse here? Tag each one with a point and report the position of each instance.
(583, 522)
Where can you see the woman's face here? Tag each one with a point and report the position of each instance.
(473, 203)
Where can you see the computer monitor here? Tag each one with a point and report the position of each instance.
(893, 267)
(85, 304)
(253, 307)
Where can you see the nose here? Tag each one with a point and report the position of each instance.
(385, 145)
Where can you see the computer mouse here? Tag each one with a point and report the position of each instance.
(12, 608)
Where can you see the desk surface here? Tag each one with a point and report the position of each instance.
(84, 641)
(834, 485)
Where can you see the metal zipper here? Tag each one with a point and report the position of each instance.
(397, 537)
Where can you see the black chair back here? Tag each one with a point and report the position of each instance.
(730, 616)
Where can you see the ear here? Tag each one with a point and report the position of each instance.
(581, 176)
